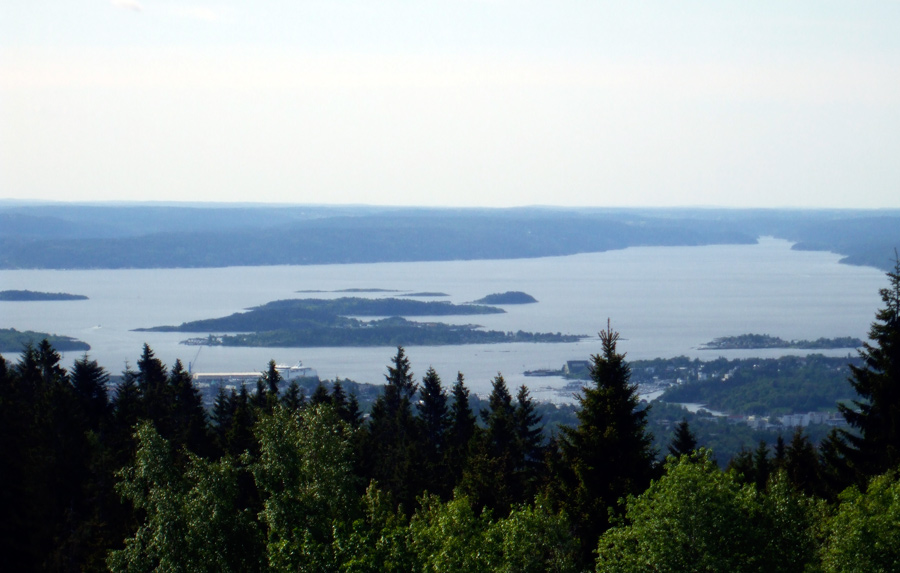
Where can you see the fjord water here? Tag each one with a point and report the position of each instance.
(665, 301)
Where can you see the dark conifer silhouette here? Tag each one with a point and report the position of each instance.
(683, 442)
(433, 418)
(391, 445)
(875, 446)
(459, 432)
(609, 454)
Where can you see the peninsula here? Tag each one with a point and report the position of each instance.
(12, 340)
(759, 341)
(30, 295)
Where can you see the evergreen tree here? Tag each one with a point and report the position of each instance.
(742, 466)
(260, 398)
(339, 400)
(875, 446)
(320, 396)
(460, 431)
(433, 416)
(529, 430)
(293, 398)
(801, 464)
(222, 417)
(390, 447)
(188, 416)
(127, 408)
(354, 415)
(240, 435)
(684, 441)
(89, 382)
(272, 378)
(152, 383)
(780, 454)
(762, 468)
(608, 455)
(491, 478)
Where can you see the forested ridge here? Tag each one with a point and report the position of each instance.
(145, 479)
(66, 236)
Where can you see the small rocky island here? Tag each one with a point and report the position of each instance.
(760, 341)
(30, 295)
(509, 297)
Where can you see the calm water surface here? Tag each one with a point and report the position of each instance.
(665, 301)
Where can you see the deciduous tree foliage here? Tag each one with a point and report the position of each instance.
(698, 518)
(864, 534)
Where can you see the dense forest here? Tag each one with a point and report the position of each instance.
(168, 236)
(144, 478)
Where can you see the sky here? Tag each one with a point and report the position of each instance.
(487, 103)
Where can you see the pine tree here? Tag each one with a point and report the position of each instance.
(609, 454)
(875, 447)
(683, 442)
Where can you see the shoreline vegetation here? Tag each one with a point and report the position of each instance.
(762, 341)
(30, 295)
(12, 340)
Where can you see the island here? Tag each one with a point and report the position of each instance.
(394, 331)
(12, 340)
(426, 294)
(316, 323)
(30, 295)
(760, 341)
(509, 297)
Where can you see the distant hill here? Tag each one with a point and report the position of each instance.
(64, 236)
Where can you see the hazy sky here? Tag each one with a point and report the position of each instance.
(466, 102)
